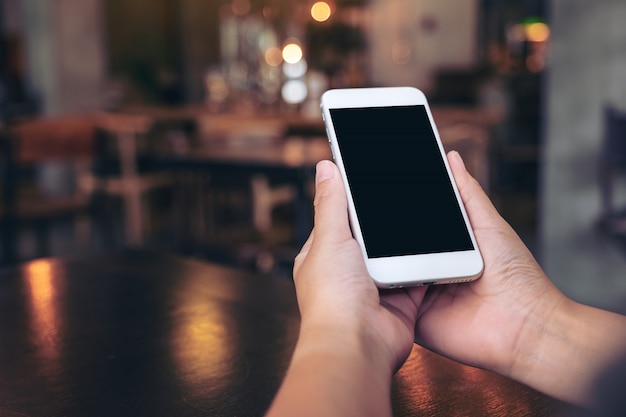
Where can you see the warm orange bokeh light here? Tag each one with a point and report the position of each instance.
(240, 7)
(320, 11)
(292, 53)
(537, 32)
(273, 56)
(401, 52)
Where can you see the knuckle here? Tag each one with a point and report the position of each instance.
(322, 194)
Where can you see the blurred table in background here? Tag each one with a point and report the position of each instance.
(464, 129)
(267, 159)
(268, 171)
(276, 154)
(138, 333)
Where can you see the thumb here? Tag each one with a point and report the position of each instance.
(331, 205)
(479, 207)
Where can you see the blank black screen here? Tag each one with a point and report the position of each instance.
(403, 197)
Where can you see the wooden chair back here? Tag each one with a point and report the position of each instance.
(29, 143)
(63, 138)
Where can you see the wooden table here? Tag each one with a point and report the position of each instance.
(256, 136)
(149, 334)
(290, 162)
(253, 145)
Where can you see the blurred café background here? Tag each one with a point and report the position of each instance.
(193, 126)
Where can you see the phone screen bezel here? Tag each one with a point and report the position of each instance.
(394, 271)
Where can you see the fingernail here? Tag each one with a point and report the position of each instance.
(457, 159)
(323, 171)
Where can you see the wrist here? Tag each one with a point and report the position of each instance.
(330, 371)
(537, 336)
(564, 352)
(346, 342)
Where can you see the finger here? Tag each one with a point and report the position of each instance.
(405, 303)
(416, 294)
(479, 208)
(331, 205)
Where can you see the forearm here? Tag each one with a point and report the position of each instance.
(334, 376)
(566, 354)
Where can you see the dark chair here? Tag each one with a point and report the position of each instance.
(25, 146)
(611, 163)
(125, 167)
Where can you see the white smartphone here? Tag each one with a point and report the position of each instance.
(404, 206)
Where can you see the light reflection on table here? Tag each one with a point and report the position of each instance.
(203, 341)
(142, 334)
(45, 285)
(426, 378)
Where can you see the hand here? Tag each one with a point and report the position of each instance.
(482, 323)
(335, 291)
(352, 336)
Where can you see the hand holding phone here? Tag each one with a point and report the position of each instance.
(404, 208)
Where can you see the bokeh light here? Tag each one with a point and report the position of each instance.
(537, 32)
(292, 53)
(401, 52)
(240, 7)
(273, 56)
(321, 11)
(296, 70)
(535, 63)
(294, 91)
(516, 33)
